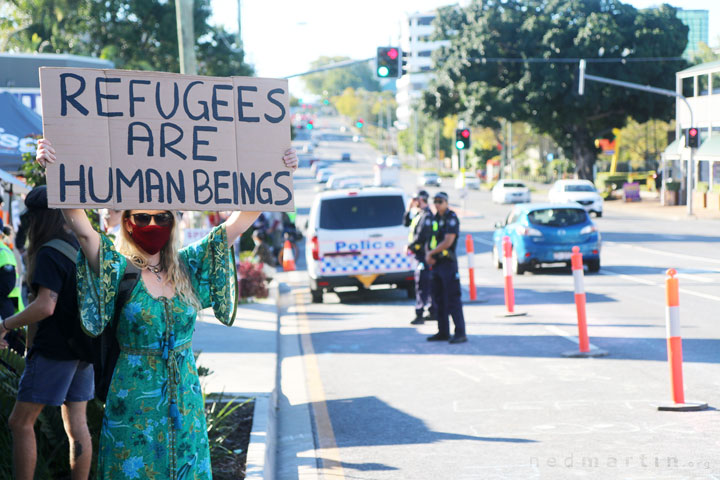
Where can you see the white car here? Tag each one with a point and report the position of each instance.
(580, 191)
(323, 175)
(333, 182)
(510, 191)
(429, 179)
(469, 181)
(352, 182)
(356, 238)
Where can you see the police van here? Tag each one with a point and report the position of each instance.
(356, 238)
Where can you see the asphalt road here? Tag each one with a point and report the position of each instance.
(507, 405)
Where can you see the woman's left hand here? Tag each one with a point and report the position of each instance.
(290, 158)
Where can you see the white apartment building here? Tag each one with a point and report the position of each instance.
(700, 84)
(415, 35)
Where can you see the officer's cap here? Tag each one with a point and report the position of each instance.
(37, 198)
(441, 195)
(422, 194)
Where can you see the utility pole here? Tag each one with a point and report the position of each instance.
(511, 162)
(415, 139)
(186, 36)
(389, 123)
(239, 34)
(461, 155)
(437, 145)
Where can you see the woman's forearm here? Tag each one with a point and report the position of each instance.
(238, 223)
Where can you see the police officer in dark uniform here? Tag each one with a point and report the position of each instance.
(420, 232)
(445, 275)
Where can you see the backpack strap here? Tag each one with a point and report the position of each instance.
(127, 284)
(63, 247)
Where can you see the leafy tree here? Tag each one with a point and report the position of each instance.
(544, 94)
(134, 34)
(348, 104)
(641, 144)
(355, 104)
(331, 83)
(706, 54)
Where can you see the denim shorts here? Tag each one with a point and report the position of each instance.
(54, 382)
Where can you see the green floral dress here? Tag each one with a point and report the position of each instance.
(154, 424)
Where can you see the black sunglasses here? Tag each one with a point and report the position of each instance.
(439, 200)
(164, 219)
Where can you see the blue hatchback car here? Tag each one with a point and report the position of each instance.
(545, 233)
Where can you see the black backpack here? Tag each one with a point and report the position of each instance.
(103, 350)
(106, 348)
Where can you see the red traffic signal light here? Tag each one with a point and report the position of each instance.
(462, 138)
(388, 62)
(693, 138)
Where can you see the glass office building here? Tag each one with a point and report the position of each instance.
(697, 22)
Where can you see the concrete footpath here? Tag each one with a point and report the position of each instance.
(243, 362)
(649, 206)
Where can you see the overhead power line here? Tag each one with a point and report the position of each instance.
(348, 63)
(574, 60)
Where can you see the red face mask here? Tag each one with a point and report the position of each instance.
(151, 238)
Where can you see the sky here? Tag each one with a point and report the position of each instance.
(282, 37)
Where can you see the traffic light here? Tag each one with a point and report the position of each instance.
(310, 125)
(403, 63)
(462, 138)
(693, 138)
(360, 123)
(388, 62)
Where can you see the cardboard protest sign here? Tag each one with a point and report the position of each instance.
(130, 140)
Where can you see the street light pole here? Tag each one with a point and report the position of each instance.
(659, 91)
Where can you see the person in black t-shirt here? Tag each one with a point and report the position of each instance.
(55, 373)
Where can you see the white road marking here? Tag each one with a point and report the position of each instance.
(605, 271)
(653, 284)
(664, 252)
(466, 375)
(557, 331)
(695, 277)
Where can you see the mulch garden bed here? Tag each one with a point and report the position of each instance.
(229, 460)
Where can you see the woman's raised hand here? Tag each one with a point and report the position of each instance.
(45, 153)
(290, 158)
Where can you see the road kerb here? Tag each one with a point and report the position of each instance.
(261, 453)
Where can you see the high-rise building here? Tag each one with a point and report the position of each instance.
(415, 42)
(697, 23)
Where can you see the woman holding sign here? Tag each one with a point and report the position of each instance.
(154, 424)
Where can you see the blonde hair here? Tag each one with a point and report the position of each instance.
(169, 257)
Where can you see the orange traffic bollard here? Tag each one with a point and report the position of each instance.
(288, 263)
(507, 272)
(470, 249)
(674, 348)
(580, 301)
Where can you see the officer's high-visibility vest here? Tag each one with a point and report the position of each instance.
(7, 257)
(413, 224)
(433, 239)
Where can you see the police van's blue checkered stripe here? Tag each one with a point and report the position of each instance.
(382, 262)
